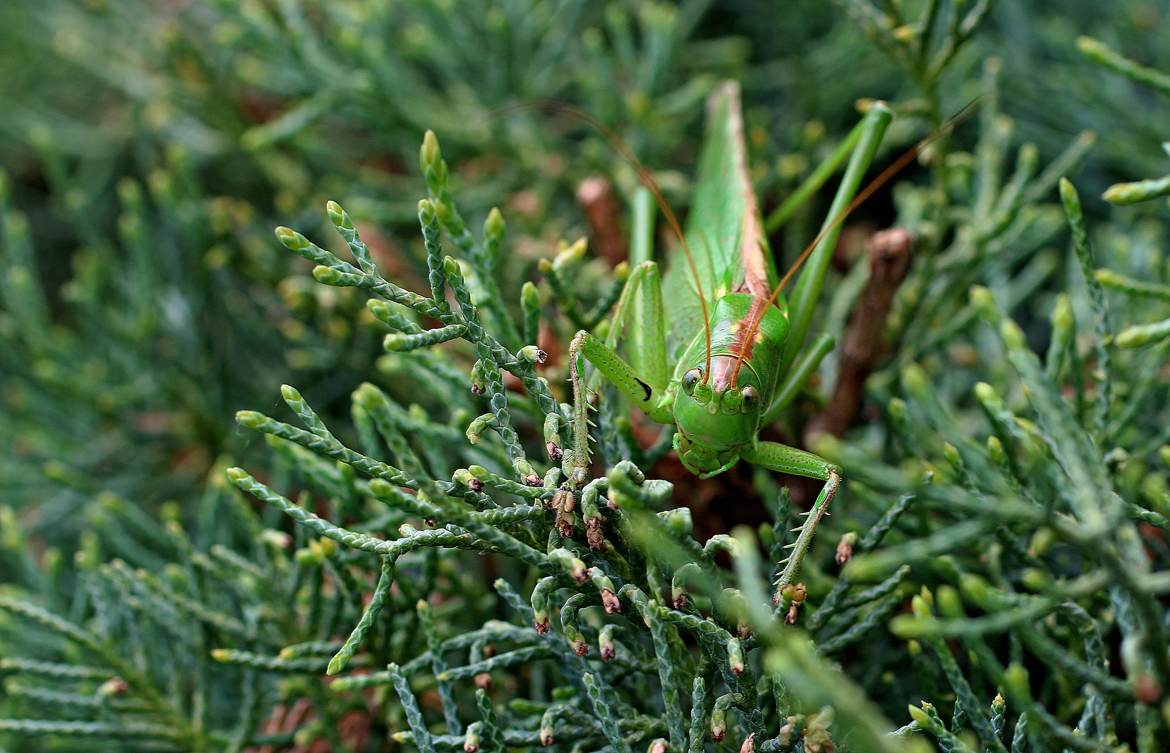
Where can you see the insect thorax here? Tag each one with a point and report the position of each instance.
(730, 321)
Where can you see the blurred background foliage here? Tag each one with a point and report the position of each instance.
(149, 148)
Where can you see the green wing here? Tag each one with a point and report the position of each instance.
(723, 209)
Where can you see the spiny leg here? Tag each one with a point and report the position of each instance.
(623, 376)
(784, 459)
(641, 301)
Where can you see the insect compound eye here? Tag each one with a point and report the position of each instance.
(690, 379)
(749, 397)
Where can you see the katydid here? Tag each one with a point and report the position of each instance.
(736, 346)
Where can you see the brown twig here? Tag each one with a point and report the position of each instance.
(889, 260)
(597, 199)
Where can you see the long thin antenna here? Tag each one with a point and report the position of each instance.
(882, 178)
(615, 142)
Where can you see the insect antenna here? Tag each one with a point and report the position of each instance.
(615, 142)
(882, 178)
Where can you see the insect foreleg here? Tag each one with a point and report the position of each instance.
(643, 394)
(613, 367)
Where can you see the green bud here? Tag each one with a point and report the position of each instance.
(493, 226)
(1092, 48)
(533, 354)
(129, 194)
(475, 429)
(368, 397)
(429, 154)
(975, 588)
(1012, 335)
(946, 568)
(914, 379)
(995, 450)
(984, 303)
(908, 626)
(1069, 196)
(529, 295)
(1142, 334)
(1106, 277)
(948, 602)
(1015, 680)
(326, 275)
(905, 34)
(380, 487)
(444, 211)
(378, 308)
(237, 475)
(291, 239)
(1035, 579)
(921, 717)
(571, 256)
(921, 604)
(338, 216)
(678, 521)
(426, 211)
(249, 419)
(1062, 312)
(986, 394)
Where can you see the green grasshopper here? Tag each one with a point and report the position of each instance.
(735, 343)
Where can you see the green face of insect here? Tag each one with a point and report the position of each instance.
(718, 414)
(715, 421)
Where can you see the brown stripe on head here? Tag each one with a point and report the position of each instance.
(725, 367)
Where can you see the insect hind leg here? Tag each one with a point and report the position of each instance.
(785, 459)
